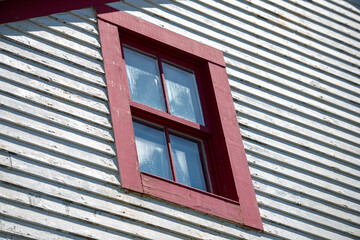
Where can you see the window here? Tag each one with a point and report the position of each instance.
(164, 86)
(174, 121)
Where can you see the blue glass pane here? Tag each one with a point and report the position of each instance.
(144, 79)
(187, 162)
(152, 151)
(182, 93)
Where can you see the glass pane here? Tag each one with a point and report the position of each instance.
(152, 151)
(187, 162)
(144, 79)
(182, 93)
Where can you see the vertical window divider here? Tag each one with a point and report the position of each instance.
(163, 84)
(170, 153)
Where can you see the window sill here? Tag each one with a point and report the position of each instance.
(191, 197)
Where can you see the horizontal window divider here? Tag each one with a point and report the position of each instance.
(173, 122)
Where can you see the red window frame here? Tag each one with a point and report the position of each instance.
(235, 196)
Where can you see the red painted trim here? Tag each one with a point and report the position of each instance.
(174, 41)
(192, 198)
(119, 99)
(174, 122)
(17, 10)
(163, 84)
(234, 145)
(171, 157)
(236, 200)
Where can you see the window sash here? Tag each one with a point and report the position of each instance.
(172, 160)
(171, 87)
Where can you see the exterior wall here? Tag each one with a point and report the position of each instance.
(293, 68)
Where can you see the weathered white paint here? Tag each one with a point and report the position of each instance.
(48, 48)
(55, 117)
(279, 31)
(74, 20)
(293, 113)
(52, 76)
(293, 69)
(55, 131)
(301, 25)
(320, 24)
(37, 154)
(298, 163)
(296, 199)
(351, 11)
(29, 231)
(53, 63)
(150, 211)
(52, 103)
(330, 14)
(253, 50)
(290, 104)
(43, 86)
(44, 33)
(86, 14)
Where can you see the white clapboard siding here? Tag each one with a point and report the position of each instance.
(44, 86)
(59, 25)
(248, 51)
(309, 28)
(295, 85)
(77, 22)
(246, 33)
(282, 33)
(54, 103)
(55, 117)
(53, 63)
(51, 76)
(294, 113)
(324, 25)
(334, 16)
(19, 230)
(51, 49)
(353, 8)
(86, 14)
(250, 38)
(108, 199)
(54, 37)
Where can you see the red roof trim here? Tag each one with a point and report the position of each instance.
(17, 10)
